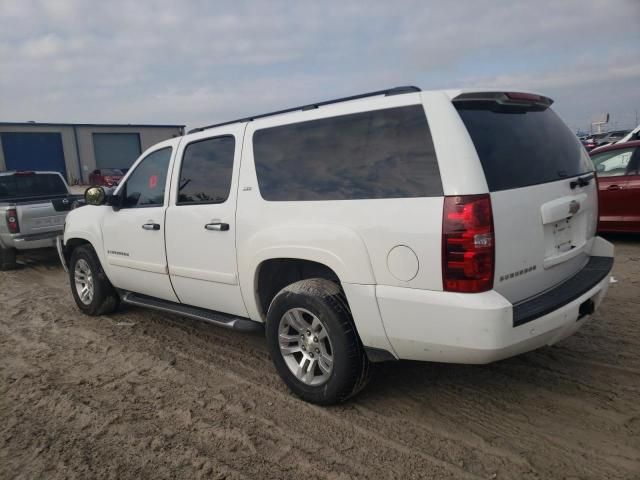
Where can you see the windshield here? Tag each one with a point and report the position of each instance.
(32, 185)
(518, 147)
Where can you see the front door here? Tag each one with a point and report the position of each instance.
(612, 168)
(200, 223)
(133, 236)
(632, 196)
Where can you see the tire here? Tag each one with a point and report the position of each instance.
(324, 300)
(7, 259)
(104, 298)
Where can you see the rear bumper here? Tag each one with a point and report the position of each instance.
(479, 328)
(37, 240)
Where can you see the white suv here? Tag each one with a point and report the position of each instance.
(450, 226)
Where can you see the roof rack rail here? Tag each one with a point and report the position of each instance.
(388, 92)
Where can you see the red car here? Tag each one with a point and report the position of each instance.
(107, 177)
(618, 170)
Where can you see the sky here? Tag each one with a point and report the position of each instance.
(200, 62)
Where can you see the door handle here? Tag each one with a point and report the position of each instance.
(217, 226)
(151, 226)
(614, 187)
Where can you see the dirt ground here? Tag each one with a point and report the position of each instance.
(141, 394)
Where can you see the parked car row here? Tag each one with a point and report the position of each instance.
(601, 139)
(598, 140)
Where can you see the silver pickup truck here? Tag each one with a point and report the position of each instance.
(33, 208)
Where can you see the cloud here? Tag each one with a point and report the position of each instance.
(197, 61)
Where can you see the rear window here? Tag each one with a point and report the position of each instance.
(36, 185)
(518, 148)
(379, 154)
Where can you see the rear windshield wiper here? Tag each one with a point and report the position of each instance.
(581, 181)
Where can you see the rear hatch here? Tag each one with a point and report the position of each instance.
(542, 188)
(42, 200)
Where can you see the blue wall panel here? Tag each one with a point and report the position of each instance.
(33, 151)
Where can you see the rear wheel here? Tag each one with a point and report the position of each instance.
(91, 288)
(7, 258)
(314, 344)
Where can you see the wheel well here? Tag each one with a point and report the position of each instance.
(275, 274)
(72, 244)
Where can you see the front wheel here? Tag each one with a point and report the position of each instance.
(91, 288)
(314, 344)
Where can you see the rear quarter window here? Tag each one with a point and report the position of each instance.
(519, 148)
(378, 154)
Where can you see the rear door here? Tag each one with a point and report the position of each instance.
(542, 186)
(614, 169)
(200, 224)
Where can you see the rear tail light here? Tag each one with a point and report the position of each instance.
(468, 251)
(12, 221)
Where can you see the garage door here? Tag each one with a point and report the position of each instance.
(33, 151)
(116, 150)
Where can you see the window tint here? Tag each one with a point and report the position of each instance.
(614, 163)
(31, 185)
(145, 187)
(379, 154)
(519, 147)
(205, 174)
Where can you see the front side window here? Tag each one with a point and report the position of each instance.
(205, 174)
(146, 185)
(378, 154)
(614, 163)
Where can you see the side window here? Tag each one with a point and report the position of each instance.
(613, 163)
(205, 173)
(378, 154)
(145, 187)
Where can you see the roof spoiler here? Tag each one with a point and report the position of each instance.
(512, 99)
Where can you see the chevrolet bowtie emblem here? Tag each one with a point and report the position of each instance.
(574, 206)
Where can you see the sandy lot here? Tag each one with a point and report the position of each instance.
(146, 395)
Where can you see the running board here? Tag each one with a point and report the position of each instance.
(216, 318)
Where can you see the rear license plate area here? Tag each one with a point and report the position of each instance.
(562, 237)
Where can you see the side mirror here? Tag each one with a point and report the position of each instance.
(115, 201)
(95, 196)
